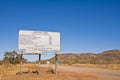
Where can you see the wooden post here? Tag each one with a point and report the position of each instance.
(56, 63)
(39, 64)
(21, 65)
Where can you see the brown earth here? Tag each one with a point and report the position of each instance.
(30, 73)
(84, 73)
(64, 73)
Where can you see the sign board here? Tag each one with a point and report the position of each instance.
(38, 41)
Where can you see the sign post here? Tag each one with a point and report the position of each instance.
(56, 63)
(39, 63)
(21, 65)
(38, 42)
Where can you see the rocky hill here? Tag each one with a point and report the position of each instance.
(106, 57)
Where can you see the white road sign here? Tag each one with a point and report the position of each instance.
(38, 41)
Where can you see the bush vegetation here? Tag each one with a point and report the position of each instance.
(12, 58)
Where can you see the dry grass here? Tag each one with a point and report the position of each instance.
(103, 66)
(9, 73)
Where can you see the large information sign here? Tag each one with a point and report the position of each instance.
(36, 42)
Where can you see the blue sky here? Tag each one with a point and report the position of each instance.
(85, 25)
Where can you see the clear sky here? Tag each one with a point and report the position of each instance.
(85, 25)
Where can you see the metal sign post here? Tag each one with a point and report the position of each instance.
(56, 63)
(39, 42)
(21, 65)
(39, 64)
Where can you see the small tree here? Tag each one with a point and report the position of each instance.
(12, 58)
(0, 62)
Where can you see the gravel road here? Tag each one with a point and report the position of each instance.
(101, 74)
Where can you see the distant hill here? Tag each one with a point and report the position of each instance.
(106, 57)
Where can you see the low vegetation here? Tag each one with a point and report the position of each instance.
(30, 73)
(106, 57)
(12, 58)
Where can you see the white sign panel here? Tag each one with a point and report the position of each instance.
(38, 41)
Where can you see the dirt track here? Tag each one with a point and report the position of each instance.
(89, 73)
